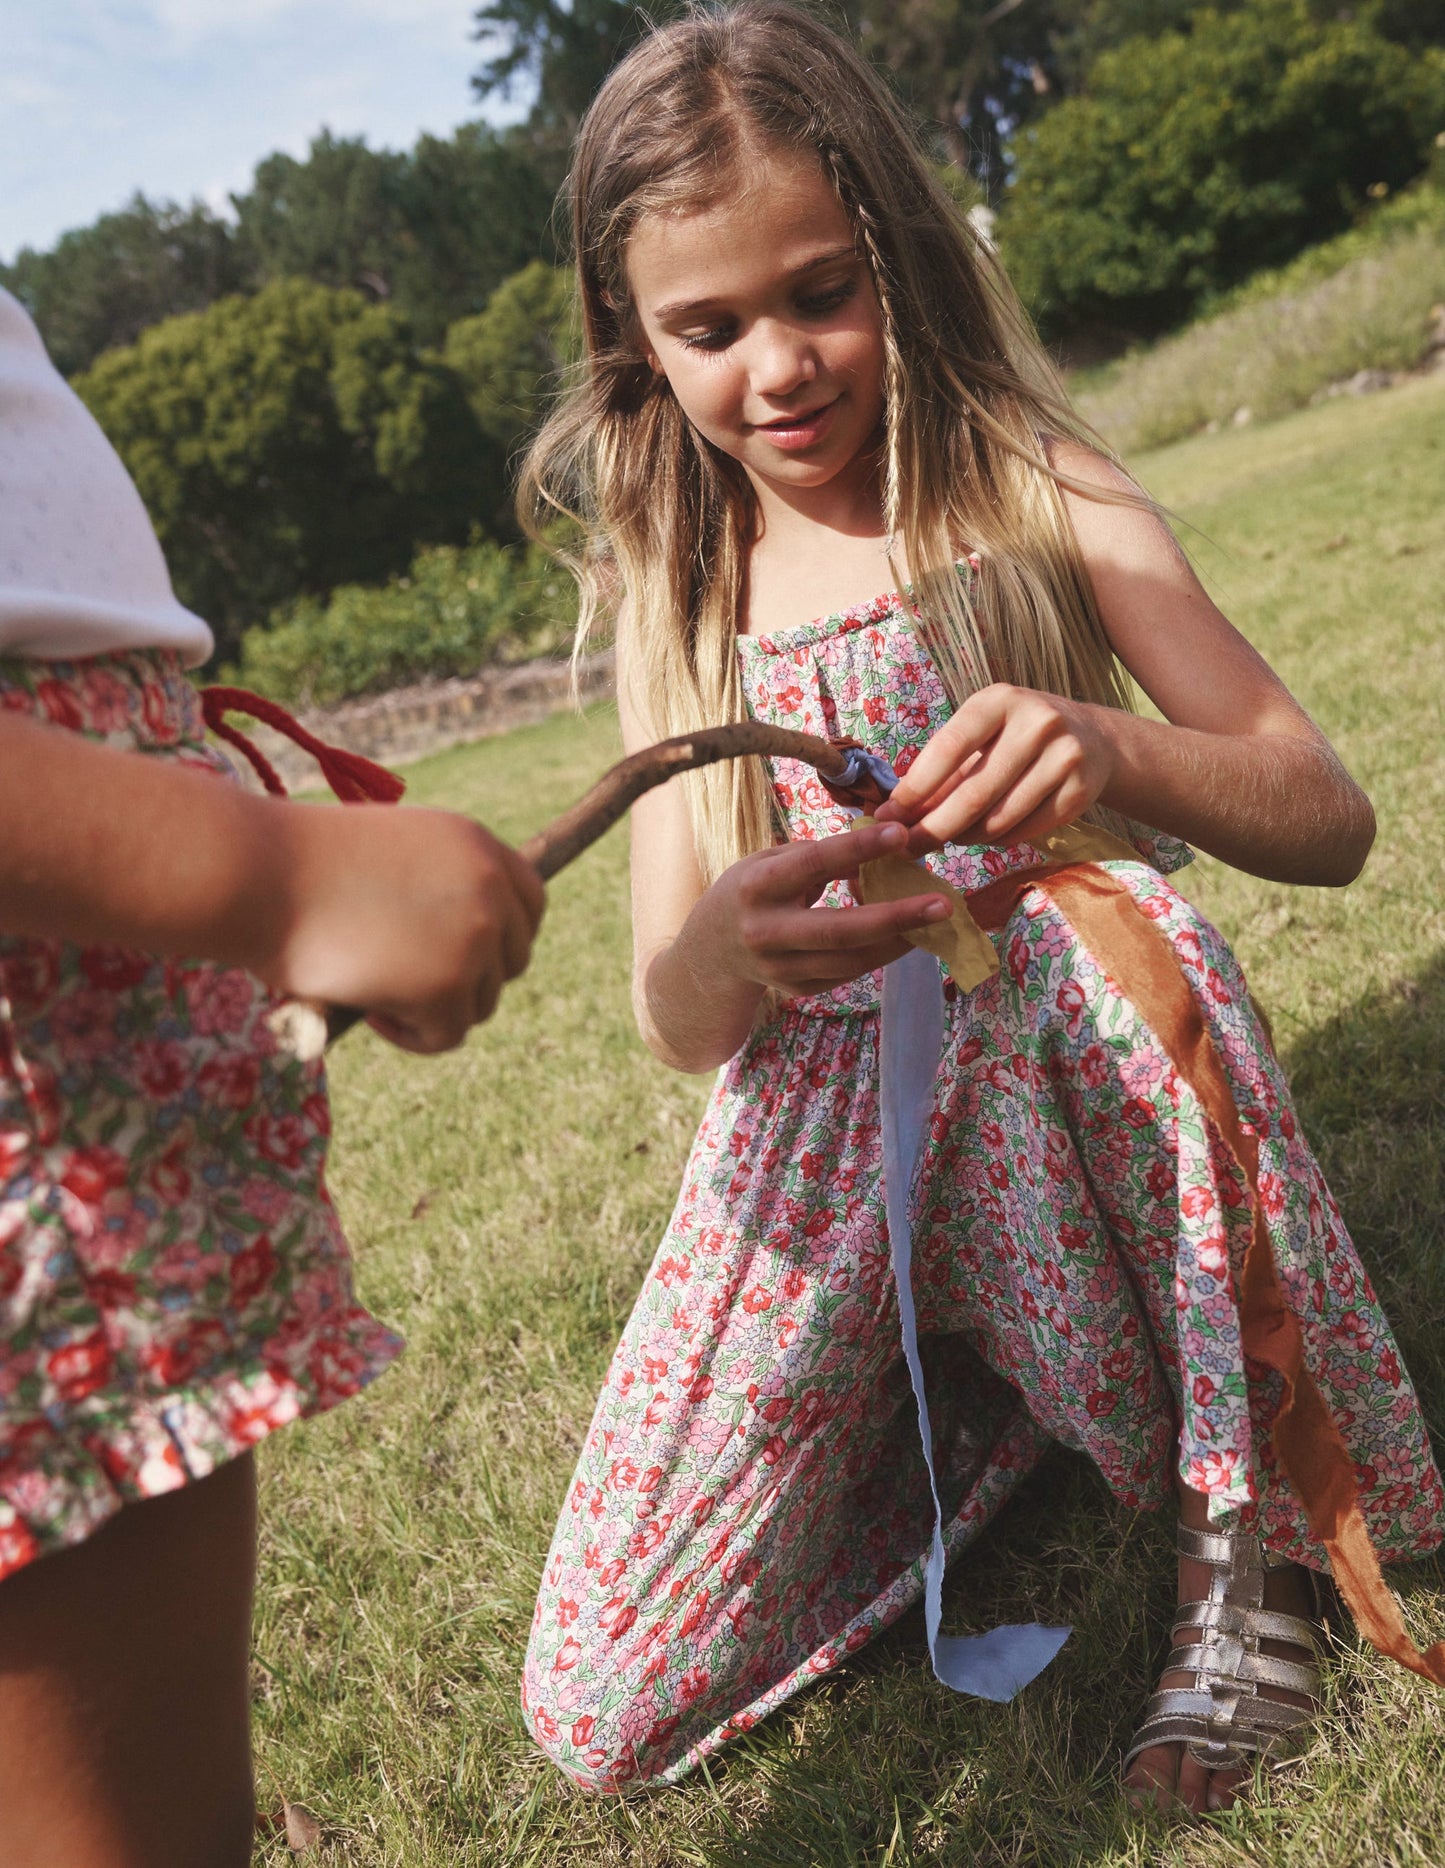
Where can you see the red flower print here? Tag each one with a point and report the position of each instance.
(58, 704)
(282, 1139)
(114, 969)
(693, 1614)
(650, 1480)
(787, 1332)
(582, 1730)
(1070, 1001)
(1204, 1390)
(232, 1081)
(252, 1270)
(774, 1450)
(700, 1389)
(188, 1353)
(756, 1300)
(80, 1367)
(1138, 1113)
(568, 1656)
(91, 1173)
(1101, 1403)
(623, 1475)
(617, 1617)
(29, 974)
(1195, 1202)
(693, 1684)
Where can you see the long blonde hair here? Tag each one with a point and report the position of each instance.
(663, 518)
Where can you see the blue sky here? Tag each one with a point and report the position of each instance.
(182, 97)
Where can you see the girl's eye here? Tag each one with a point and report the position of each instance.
(818, 304)
(717, 339)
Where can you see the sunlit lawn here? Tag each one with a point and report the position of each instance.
(504, 1202)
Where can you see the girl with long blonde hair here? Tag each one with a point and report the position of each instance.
(818, 470)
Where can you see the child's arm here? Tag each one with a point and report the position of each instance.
(1240, 769)
(417, 917)
(703, 957)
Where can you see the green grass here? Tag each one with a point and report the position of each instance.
(1361, 301)
(504, 1201)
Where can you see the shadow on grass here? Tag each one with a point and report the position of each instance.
(882, 1767)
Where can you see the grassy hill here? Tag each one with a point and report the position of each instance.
(505, 1200)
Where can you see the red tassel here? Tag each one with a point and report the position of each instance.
(354, 780)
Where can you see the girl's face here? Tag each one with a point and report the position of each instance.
(763, 318)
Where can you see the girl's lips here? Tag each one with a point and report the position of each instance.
(793, 433)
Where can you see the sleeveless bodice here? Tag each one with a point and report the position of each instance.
(864, 674)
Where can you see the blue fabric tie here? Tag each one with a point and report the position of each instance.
(998, 1664)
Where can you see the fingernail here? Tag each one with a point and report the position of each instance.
(938, 910)
(892, 835)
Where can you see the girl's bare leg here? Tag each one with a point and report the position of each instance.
(1166, 1774)
(124, 1695)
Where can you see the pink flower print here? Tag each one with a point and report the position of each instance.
(266, 1201)
(1142, 1071)
(220, 1002)
(105, 700)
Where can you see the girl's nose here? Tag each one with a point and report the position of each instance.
(781, 360)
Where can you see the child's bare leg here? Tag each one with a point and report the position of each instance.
(1166, 1773)
(124, 1696)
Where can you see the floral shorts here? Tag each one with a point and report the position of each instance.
(173, 1280)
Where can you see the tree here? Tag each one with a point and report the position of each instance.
(1198, 157)
(433, 232)
(290, 442)
(100, 286)
(561, 50)
(511, 356)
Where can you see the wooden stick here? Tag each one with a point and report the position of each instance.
(306, 1029)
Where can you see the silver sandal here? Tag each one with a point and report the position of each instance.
(1222, 1720)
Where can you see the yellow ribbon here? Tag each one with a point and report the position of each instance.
(960, 943)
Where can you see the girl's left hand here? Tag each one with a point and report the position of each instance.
(1012, 764)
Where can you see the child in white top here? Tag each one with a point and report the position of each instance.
(173, 1281)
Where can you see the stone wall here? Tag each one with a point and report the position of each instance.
(412, 721)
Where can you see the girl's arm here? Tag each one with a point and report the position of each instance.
(1239, 769)
(417, 917)
(703, 957)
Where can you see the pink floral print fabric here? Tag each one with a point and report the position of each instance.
(751, 1505)
(173, 1281)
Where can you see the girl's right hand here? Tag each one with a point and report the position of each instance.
(763, 927)
(417, 918)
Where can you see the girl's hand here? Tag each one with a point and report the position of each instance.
(757, 923)
(1012, 764)
(418, 918)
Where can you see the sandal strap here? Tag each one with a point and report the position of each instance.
(1230, 1662)
(1229, 1618)
(1220, 1732)
(1223, 1548)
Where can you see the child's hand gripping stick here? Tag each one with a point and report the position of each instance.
(850, 774)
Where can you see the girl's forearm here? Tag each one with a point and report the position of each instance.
(114, 848)
(692, 1012)
(1278, 805)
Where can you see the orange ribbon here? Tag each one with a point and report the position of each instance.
(1143, 966)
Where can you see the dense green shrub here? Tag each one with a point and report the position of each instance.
(1195, 158)
(456, 610)
(291, 441)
